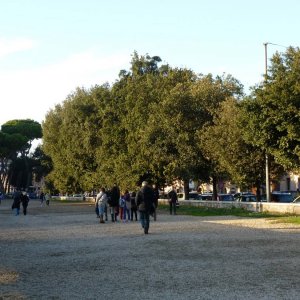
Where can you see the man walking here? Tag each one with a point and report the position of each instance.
(172, 200)
(16, 202)
(24, 201)
(102, 202)
(144, 201)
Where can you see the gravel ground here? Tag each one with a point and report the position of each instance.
(62, 252)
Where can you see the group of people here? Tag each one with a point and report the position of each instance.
(18, 199)
(21, 198)
(45, 198)
(126, 206)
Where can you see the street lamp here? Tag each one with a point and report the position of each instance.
(268, 192)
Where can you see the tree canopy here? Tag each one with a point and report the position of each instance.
(273, 118)
(16, 138)
(163, 124)
(143, 127)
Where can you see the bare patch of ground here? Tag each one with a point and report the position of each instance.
(62, 252)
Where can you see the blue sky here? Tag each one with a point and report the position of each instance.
(50, 47)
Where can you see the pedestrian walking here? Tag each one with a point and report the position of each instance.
(42, 198)
(114, 202)
(144, 201)
(48, 198)
(16, 202)
(102, 202)
(133, 211)
(121, 207)
(172, 195)
(24, 200)
(96, 206)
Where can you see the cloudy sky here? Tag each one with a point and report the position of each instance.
(50, 47)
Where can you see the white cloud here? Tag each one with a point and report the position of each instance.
(31, 93)
(8, 46)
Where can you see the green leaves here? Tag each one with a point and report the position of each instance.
(274, 110)
(28, 128)
(16, 137)
(143, 127)
(71, 138)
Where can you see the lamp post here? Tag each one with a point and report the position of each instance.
(268, 192)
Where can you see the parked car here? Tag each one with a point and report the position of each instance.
(284, 197)
(79, 196)
(206, 197)
(245, 197)
(192, 196)
(294, 193)
(225, 197)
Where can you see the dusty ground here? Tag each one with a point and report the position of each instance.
(62, 252)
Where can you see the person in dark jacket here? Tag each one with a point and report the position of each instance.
(96, 207)
(133, 206)
(16, 203)
(172, 195)
(144, 201)
(24, 201)
(113, 202)
(42, 198)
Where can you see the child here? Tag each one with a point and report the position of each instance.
(127, 206)
(121, 207)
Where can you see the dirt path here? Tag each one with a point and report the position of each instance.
(62, 252)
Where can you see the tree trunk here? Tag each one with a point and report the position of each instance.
(186, 189)
(215, 188)
(28, 173)
(258, 193)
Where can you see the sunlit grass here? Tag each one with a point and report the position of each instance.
(288, 219)
(203, 211)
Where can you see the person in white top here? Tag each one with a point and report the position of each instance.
(102, 202)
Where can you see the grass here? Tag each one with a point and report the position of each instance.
(202, 211)
(288, 219)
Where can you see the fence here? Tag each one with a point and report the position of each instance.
(282, 208)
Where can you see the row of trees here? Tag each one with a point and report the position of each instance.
(162, 123)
